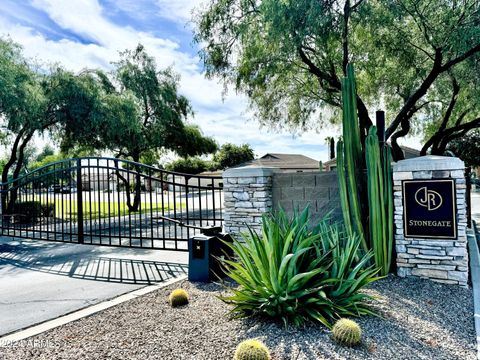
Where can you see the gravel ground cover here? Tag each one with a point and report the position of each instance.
(420, 320)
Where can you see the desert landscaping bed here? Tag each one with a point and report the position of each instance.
(420, 320)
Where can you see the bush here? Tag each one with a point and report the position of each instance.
(178, 297)
(298, 274)
(231, 155)
(189, 165)
(251, 350)
(347, 332)
(31, 211)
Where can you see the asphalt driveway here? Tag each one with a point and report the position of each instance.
(476, 205)
(41, 280)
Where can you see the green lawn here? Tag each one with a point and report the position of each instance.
(67, 209)
(95, 209)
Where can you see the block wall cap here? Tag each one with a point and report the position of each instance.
(429, 162)
(248, 171)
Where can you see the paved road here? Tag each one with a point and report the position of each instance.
(476, 205)
(41, 280)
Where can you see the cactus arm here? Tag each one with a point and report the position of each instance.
(343, 188)
(352, 152)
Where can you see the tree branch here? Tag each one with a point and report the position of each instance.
(417, 95)
(320, 74)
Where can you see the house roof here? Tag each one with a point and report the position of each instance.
(408, 152)
(284, 161)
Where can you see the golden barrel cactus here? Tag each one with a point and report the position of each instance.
(252, 350)
(178, 297)
(347, 332)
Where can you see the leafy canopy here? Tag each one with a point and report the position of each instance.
(467, 148)
(231, 155)
(143, 112)
(289, 56)
(190, 165)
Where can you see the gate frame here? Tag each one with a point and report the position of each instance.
(37, 182)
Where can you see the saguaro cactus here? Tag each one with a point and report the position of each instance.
(380, 200)
(349, 159)
(379, 181)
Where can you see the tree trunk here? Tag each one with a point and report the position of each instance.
(16, 173)
(6, 169)
(137, 186)
(136, 199)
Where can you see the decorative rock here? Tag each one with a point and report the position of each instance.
(457, 251)
(457, 174)
(430, 273)
(241, 196)
(458, 275)
(422, 175)
(402, 175)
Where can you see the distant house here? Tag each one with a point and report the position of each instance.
(285, 162)
(409, 153)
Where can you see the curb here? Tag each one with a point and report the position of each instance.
(7, 340)
(475, 276)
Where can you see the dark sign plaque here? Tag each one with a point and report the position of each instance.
(429, 209)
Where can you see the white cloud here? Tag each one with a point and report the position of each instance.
(179, 11)
(225, 120)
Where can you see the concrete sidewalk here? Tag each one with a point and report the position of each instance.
(41, 280)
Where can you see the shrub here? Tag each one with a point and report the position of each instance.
(31, 211)
(296, 273)
(48, 210)
(178, 297)
(347, 332)
(251, 350)
(191, 165)
(231, 155)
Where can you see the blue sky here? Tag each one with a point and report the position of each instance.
(90, 33)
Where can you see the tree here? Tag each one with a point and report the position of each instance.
(144, 112)
(144, 116)
(189, 165)
(47, 150)
(22, 105)
(458, 114)
(34, 102)
(467, 148)
(231, 155)
(289, 56)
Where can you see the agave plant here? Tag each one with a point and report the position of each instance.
(296, 273)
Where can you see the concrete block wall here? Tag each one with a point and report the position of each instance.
(444, 261)
(317, 190)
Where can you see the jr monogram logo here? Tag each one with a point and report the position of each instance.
(430, 199)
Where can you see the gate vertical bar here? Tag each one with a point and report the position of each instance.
(79, 202)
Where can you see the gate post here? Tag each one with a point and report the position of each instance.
(247, 196)
(430, 219)
(79, 202)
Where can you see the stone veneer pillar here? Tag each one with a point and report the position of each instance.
(247, 196)
(444, 261)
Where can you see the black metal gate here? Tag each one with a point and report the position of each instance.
(107, 201)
